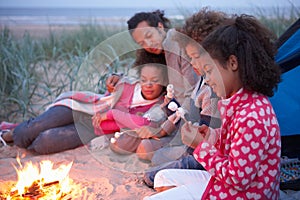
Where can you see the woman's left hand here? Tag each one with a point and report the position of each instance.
(98, 118)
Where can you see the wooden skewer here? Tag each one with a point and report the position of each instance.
(155, 138)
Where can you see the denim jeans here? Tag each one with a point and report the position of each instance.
(57, 129)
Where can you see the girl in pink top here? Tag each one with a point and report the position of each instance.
(132, 104)
(242, 158)
(68, 123)
(132, 100)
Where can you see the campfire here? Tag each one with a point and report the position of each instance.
(43, 182)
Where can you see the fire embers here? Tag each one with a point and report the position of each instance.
(42, 181)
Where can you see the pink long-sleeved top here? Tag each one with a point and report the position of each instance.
(123, 114)
(245, 160)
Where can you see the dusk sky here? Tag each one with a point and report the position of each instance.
(148, 3)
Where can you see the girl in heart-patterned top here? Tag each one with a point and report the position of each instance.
(242, 158)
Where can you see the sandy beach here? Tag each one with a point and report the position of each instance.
(100, 174)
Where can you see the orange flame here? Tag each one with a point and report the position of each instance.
(44, 182)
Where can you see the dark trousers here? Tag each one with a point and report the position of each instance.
(57, 129)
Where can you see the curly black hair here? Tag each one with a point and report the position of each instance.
(143, 58)
(152, 18)
(253, 45)
(199, 25)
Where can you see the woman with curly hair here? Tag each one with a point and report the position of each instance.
(242, 158)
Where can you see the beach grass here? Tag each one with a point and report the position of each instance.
(36, 70)
(279, 21)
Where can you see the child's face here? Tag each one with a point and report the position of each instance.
(151, 81)
(192, 50)
(224, 81)
(149, 38)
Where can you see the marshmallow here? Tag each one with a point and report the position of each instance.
(170, 91)
(113, 140)
(118, 134)
(181, 112)
(172, 106)
(170, 87)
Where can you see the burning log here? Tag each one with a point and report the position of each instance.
(44, 183)
(38, 190)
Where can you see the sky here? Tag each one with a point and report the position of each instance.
(148, 3)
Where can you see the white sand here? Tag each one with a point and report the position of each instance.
(101, 174)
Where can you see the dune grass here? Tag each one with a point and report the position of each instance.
(36, 70)
(280, 19)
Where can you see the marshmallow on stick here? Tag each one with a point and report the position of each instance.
(179, 111)
(116, 136)
(170, 91)
(172, 106)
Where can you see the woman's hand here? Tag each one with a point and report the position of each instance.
(192, 135)
(98, 118)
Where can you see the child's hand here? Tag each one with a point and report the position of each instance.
(98, 118)
(111, 82)
(166, 101)
(192, 135)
